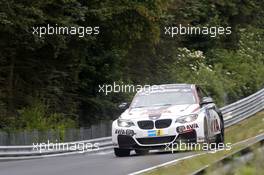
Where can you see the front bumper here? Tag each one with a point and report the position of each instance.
(134, 137)
(128, 142)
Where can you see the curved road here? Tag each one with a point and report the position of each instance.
(103, 163)
(100, 163)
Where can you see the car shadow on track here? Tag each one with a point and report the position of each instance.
(159, 152)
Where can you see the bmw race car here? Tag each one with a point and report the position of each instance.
(166, 114)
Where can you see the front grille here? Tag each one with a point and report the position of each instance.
(156, 140)
(146, 124)
(164, 123)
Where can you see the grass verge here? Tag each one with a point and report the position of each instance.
(248, 128)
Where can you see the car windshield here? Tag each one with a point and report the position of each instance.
(163, 99)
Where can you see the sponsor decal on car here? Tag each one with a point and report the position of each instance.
(186, 128)
(153, 133)
(125, 132)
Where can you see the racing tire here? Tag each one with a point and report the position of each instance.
(121, 152)
(141, 152)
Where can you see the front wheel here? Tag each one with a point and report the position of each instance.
(121, 152)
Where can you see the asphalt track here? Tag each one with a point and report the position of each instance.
(88, 164)
(100, 163)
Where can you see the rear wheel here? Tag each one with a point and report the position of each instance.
(121, 152)
(141, 152)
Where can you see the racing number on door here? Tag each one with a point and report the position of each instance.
(215, 126)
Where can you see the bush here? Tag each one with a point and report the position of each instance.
(37, 117)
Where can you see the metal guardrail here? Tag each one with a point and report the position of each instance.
(34, 150)
(244, 108)
(27, 137)
(232, 113)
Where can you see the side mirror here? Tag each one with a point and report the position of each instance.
(206, 100)
(123, 106)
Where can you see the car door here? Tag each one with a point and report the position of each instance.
(213, 123)
(212, 116)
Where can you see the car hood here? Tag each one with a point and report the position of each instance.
(159, 112)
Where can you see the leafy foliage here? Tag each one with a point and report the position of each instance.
(46, 81)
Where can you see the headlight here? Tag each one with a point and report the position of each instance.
(187, 118)
(125, 123)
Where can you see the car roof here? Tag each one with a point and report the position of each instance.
(176, 86)
(168, 87)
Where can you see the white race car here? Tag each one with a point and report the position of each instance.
(166, 114)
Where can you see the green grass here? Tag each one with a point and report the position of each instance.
(245, 129)
(254, 166)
